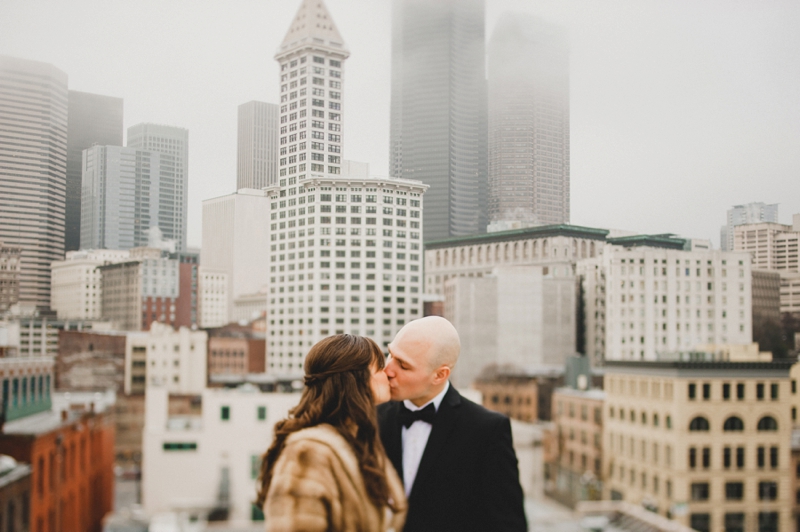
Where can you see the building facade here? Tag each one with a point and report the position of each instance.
(328, 231)
(92, 119)
(438, 111)
(640, 302)
(76, 283)
(515, 316)
(257, 154)
(33, 167)
(172, 144)
(235, 354)
(528, 65)
(213, 298)
(26, 385)
(15, 492)
(702, 440)
(750, 213)
(236, 241)
(90, 361)
(218, 451)
(173, 359)
(10, 266)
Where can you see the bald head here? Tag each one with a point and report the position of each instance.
(433, 337)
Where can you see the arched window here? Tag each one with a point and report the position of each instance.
(516, 250)
(591, 249)
(471, 250)
(767, 423)
(544, 247)
(438, 258)
(583, 249)
(535, 249)
(699, 423)
(462, 257)
(733, 423)
(525, 250)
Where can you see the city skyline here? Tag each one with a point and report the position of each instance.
(719, 96)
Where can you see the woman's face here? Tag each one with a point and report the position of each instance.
(380, 385)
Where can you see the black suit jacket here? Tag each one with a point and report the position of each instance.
(468, 478)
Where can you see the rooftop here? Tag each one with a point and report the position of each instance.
(11, 470)
(540, 231)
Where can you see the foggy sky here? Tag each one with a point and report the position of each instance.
(679, 109)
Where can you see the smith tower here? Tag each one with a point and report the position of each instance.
(345, 251)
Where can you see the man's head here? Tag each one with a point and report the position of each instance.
(422, 355)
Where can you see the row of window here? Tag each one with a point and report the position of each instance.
(734, 491)
(764, 456)
(726, 390)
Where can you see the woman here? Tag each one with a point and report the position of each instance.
(326, 468)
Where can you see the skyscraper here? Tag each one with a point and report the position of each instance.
(528, 122)
(174, 186)
(750, 213)
(33, 167)
(93, 119)
(125, 193)
(257, 155)
(328, 230)
(438, 110)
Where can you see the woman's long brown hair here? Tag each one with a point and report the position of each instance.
(338, 392)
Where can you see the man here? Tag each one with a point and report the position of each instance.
(455, 457)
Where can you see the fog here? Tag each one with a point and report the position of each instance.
(679, 109)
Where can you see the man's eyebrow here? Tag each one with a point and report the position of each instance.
(402, 360)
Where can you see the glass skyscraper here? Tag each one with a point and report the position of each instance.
(438, 110)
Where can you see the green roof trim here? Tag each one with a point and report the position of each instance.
(656, 241)
(522, 234)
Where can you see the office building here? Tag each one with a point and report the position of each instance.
(217, 449)
(33, 166)
(704, 439)
(10, 266)
(92, 119)
(172, 144)
(438, 110)
(213, 298)
(642, 302)
(76, 284)
(236, 241)
(329, 232)
(174, 360)
(257, 154)
(750, 213)
(514, 317)
(528, 65)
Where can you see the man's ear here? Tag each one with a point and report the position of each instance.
(441, 375)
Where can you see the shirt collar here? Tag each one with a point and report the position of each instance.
(436, 400)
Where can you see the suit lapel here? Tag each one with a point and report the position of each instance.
(446, 418)
(392, 438)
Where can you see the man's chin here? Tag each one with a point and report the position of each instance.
(396, 395)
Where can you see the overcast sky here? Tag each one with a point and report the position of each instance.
(679, 109)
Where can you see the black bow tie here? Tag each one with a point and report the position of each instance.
(407, 417)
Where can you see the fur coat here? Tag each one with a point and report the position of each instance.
(317, 486)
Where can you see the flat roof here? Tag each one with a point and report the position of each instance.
(525, 233)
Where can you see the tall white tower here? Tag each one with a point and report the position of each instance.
(345, 251)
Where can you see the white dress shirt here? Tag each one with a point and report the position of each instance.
(415, 438)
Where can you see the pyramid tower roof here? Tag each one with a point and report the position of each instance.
(313, 24)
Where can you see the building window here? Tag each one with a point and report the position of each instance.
(183, 446)
(700, 522)
(767, 423)
(740, 391)
(773, 391)
(706, 457)
(692, 391)
(262, 413)
(733, 424)
(255, 466)
(734, 491)
(760, 457)
(773, 457)
(726, 391)
(726, 457)
(699, 491)
(760, 391)
(706, 391)
(767, 521)
(767, 491)
(740, 457)
(699, 424)
(734, 522)
(225, 413)
(692, 457)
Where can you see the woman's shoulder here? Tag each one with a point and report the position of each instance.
(320, 437)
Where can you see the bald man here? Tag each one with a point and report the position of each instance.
(455, 457)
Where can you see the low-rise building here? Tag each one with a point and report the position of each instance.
(519, 393)
(218, 452)
(90, 361)
(26, 384)
(15, 494)
(236, 350)
(76, 284)
(701, 438)
(175, 360)
(10, 267)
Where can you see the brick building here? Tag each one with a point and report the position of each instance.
(90, 361)
(15, 495)
(236, 350)
(72, 460)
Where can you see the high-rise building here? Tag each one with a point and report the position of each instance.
(173, 190)
(93, 119)
(257, 155)
(438, 110)
(528, 64)
(9, 275)
(329, 231)
(127, 192)
(33, 167)
(750, 213)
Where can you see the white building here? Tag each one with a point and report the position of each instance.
(212, 296)
(774, 246)
(345, 251)
(76, 291)
(749, 213)
(641, 302)
(173, 360)
(236, 240)
(248, 307)
(257, 154)
(202, 462)
(517, 316)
